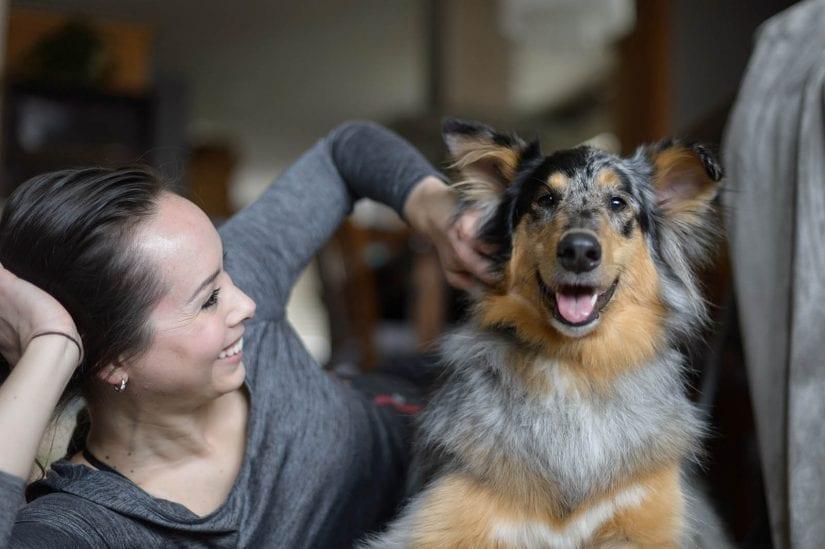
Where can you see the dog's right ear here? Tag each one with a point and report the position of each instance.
(487, 160)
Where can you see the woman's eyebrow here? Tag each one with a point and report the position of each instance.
(204, 284)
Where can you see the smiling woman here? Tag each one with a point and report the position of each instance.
(211, 425)
(199, 317)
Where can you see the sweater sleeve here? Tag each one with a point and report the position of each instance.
(11, 500)
(26, 534)
(36, 535)
(271, 241)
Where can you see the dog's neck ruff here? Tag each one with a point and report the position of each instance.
(573, 444)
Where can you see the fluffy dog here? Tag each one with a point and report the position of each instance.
(562, 420)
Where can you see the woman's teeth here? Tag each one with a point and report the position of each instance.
(234, 350)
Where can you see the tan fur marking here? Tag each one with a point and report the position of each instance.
(460, 512)
(486, 170)
(504, 158)
(558, 181)
(457, 514)
(478, 191)
(607, 178)
(658, 522)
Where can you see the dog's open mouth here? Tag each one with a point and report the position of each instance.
(576, 305)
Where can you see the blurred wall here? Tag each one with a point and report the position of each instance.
(710, 43)
(274, 79)
(270, 77)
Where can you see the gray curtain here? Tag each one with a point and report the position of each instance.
(774, 154)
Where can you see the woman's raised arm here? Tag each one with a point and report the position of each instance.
(270, 242)
(40, 340)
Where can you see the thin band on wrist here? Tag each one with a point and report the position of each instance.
(70, 338)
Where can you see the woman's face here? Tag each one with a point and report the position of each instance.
(199, 322)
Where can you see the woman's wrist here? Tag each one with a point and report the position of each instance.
(28, 398)
(430, 206)
(54, 351)
(74, 339)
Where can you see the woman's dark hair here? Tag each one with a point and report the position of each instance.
(71, 233)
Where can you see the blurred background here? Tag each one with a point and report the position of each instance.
(222, 96)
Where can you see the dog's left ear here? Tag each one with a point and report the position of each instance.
(487, 160)
(686, 178)
(489, 164)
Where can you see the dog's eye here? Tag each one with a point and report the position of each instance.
(617, 203)
(546, 201)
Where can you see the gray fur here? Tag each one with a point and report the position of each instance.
(571, 445)
(703, 529)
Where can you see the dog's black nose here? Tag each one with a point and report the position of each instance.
(579, 252)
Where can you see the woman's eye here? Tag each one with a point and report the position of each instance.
(212, 301)
(546, 201)
(617, 203)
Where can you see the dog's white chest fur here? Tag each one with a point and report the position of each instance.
(573, 534)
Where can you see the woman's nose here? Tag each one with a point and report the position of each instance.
(243, 308)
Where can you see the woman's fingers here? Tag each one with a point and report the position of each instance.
(463, 256)
(470, 250)
(473, 262)
(462, 281)
(26, 310)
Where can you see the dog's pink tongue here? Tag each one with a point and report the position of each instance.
(576, 308)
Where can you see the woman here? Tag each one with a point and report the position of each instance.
(210, 422)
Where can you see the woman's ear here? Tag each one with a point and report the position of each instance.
(487, 160)
(113, 374)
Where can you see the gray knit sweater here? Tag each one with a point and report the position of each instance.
(322, 464)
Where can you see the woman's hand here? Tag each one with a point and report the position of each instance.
(430, 209)
(26, 310)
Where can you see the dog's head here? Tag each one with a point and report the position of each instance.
(589, 244)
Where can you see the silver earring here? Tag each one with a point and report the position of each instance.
(122, 386)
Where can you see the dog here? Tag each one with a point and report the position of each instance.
(562, 420)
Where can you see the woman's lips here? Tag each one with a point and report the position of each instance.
(232, 350)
